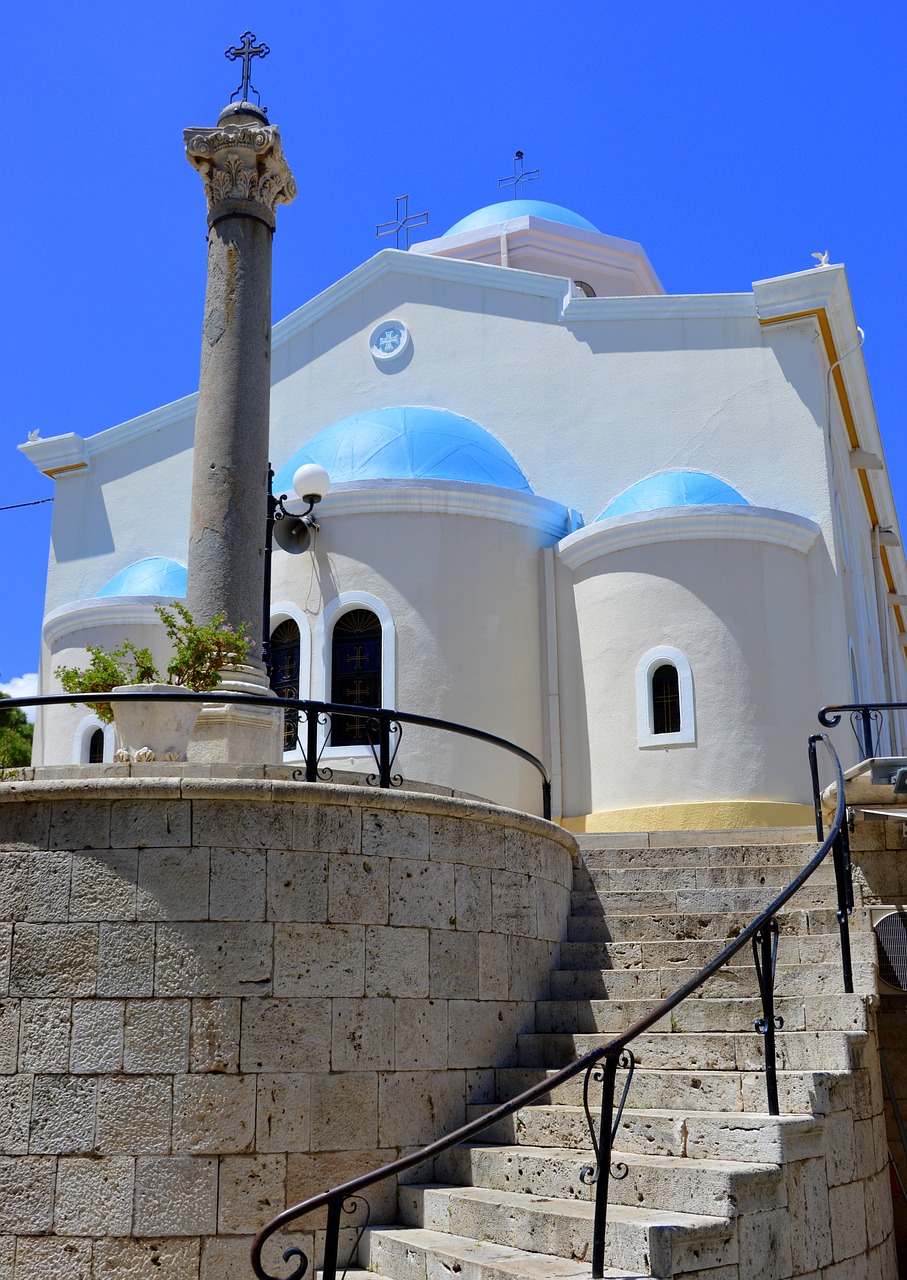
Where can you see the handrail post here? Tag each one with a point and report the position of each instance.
(765, 955)
(311, 745)
(817, 795)
(865, 714)
(546, 799)
(844, 886)
(600, 1221)
(331, 1237)
(384, 750)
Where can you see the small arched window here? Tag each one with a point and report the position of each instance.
(665, 713)
(665, 699)
(96, 747)
(284, 655)
(355, 673)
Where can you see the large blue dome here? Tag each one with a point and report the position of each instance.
(507, 209)
(673, 489)
(406, 443)
(154, 576)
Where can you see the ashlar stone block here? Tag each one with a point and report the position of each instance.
(155, 1259)
(175, 1196)
(9, 1036)
(104, 885)
(24, 825)
(285, 1035)
(344, 1111)
(15, 1113)
(61, 1257)
(420, 1035)
(54, 960)
(250, 1191)
(307, 1175)
(237, 890)
(150, 823)
(214, 1035)
(327, 828)
(14, 878)
(481, 1033)
(213, 959)
(283, 1114)
(396, 833)
(125, 960)
(847, 1209)
(319, 960)
(422, 893)
(26, 1194)
(94, 1196)
(396, 962)
(44, 1035)
(213, 1114)
(513, 903)
(63, 1115)
(156, 1036)
(472, 903)
(82, 824)
(358, 889)
(97, 1036)
(49, 876)
(134, 1115)
(297, 886)
(255, 825)
(453, 965)
(362, 1034)
(414, 1107)
(173, 884)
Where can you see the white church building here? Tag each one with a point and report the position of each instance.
(644, 536)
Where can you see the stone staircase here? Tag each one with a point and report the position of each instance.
(715, 1189)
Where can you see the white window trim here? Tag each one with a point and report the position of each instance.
(645, 713)
(81, 740)
(286, 611)
(321, 675)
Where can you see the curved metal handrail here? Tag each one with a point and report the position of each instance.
(862, 713)
(383, 715)
(611, 1053)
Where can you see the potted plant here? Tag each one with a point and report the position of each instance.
(159, 730)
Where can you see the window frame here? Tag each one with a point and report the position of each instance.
(81, 740)
(648, 664)
(286, 611)
(322, 674)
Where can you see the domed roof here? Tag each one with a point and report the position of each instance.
(154, 576)
(673, 489)
(406, 443)
(507, 209)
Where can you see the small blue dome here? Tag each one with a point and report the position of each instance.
(507, 209)
(673, 489)
(406, 443)
(155, 576)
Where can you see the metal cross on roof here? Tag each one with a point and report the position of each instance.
(519, 176)
(247, 51)
(404, 223)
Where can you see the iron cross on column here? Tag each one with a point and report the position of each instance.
(403, 224)
(518, 177)
(247, 50)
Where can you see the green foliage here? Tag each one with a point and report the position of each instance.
(200, 650)
(15, 737)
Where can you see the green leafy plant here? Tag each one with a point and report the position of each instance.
(15, 737)
(200, 651)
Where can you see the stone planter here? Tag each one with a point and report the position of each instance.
(148, 731)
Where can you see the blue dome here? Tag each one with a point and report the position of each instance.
(674, 489)
(507, 209)
(155, 576)
(406, 443)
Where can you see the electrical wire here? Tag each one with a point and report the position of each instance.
(37, 502)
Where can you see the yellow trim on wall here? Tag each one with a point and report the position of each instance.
(708, 815)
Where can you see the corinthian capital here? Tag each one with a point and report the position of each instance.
(241, 162)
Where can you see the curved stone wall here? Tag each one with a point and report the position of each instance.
(222, 994)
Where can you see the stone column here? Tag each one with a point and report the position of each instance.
(246, 176)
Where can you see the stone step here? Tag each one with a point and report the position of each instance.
(638, 1239)
(656, 983)
(667, 926)
(643, 879)
(699, 855)
(415, 1253)
(711, 1014)
(703, 1135)
(750, 900)
(691, 953)
(672, 1183)
(704, 1051)
(798, 1091)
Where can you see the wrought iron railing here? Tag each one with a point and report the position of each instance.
(382, 729)
(601, 1065)
(866, 721)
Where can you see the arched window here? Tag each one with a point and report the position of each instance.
(284, 651)
(665, 699)
(665, 713)
(355, 673)
(96, 747)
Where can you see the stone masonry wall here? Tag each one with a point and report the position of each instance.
(221, 995)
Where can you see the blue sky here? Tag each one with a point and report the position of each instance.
(731, 139)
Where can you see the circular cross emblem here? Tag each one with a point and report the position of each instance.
(388, 339)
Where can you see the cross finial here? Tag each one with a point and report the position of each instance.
(402, 223)
(247, 51)
(519, 176)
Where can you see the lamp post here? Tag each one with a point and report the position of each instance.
(293, 530)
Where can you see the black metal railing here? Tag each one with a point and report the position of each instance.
(866, 720)
(382, 729)
(601, 1065)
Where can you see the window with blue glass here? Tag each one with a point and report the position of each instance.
(355, 674)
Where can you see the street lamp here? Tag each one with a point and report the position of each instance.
(292, 528)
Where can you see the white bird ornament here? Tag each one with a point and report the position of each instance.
(822, 259)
